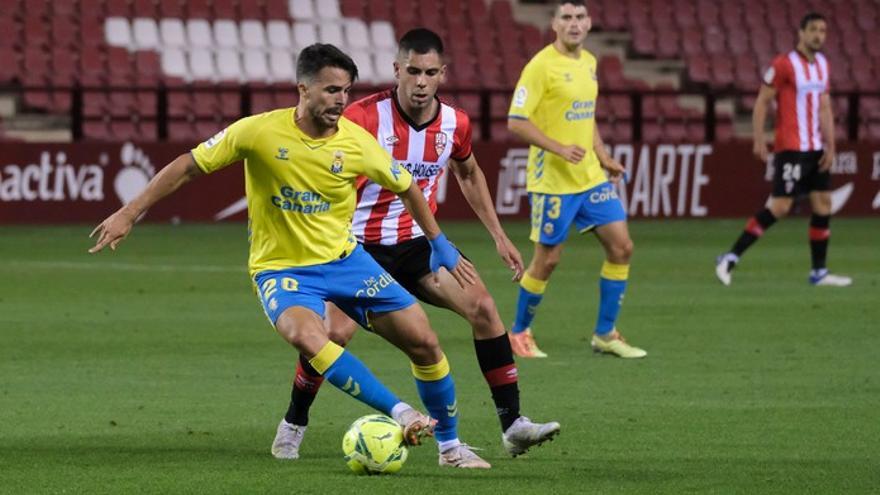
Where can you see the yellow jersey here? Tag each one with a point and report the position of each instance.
(300, 190)
(558, 94)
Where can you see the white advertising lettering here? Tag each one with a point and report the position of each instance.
(653, 191)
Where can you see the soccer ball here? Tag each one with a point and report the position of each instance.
(374, 444)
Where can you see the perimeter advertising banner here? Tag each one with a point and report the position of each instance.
(84, 182)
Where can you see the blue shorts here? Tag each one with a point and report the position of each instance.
(553, 214)
(356, 284)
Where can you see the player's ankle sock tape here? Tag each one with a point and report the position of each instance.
(347, 373)
(612, 285)
(437, 391)
(531, 291)
(499, 369)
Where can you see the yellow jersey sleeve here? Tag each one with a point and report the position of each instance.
(529, 90)
(226, 147)
(380, 168)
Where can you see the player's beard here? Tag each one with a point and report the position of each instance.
(326, 118)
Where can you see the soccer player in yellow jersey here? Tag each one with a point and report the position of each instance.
(553, 109)
(301, 165)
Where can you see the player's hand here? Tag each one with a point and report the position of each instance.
(759, 148)
(826, 160)
(511, 257)
(572, 153)
(615, 170)
(112, 231)
(445, 255)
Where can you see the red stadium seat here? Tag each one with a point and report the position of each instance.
(277, 9)
(182, 131)
(96, 130)
(144, 8)
(95, 104)
(198, 9)
(145, 103)
(170, 8)
(179, 104)
(38, 100)
(226, 9)
(147, 131)
(124, 130)
(122, 104)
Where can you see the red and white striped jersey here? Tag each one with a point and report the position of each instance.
(380, 217)
(798, 84)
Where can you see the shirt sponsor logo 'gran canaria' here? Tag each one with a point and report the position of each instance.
(373, 286)
(306, 202)
(581, 110)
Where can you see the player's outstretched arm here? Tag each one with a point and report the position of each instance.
(116, 227)
(529, 132)
(443, 253)
(475, 190)
(759, 119)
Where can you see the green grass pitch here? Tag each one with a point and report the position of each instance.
(153, 370)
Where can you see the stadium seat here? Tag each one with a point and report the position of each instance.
(123, 130)
(282, 65)
(117, 31)
(198, 9)
(146, 102)
(331, 32)
(353, 8)
(255, 67)
(225, 9)
(199, 35)
(182, 131)
(174, 64)
(278, 34)
(144, 9)
(180, 104)
(145, 34)
(206, 104)
(226, 34)
(384, 63)
(148, 68)
(253, 34)
(201, 64)
(304, 34)
(171, 9)
(328, 10)
(277, 10)
(228, 65)
(356, 34)
(96, 130)
(118, 9)
(382, 34)
(172, 32)
(302, 10)
(364, 62)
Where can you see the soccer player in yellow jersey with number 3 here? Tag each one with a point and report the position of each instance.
(301, 165)
(553, 109)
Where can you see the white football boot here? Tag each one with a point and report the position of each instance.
(524, 434)
(463, 456)
(287, 440)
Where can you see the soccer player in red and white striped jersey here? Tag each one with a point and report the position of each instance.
(426, 136)
(803, 149)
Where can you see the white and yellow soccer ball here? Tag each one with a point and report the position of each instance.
(374, 444)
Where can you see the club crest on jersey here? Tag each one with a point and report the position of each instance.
(338, 162)
(282, 153)
(392, 140)
(395, 170)
(440, 142)
(548, 228)
(568, 77)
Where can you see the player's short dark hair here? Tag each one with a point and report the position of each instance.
(812, 16)
(421, 41)
(315, 57)
(576, 3)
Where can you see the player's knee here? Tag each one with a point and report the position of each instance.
(424, 348)
(342, 333)
(624, 251)
(549, 264)
(483, 316)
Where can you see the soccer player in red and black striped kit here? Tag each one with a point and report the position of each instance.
(425, 135)
(804, 149)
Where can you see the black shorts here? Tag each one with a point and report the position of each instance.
(408, 262)
(797, 172)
